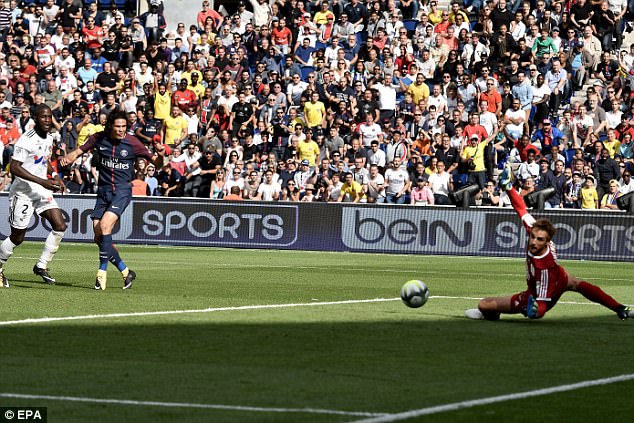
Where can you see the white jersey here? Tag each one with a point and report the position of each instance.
(34, 152)
(28, 197)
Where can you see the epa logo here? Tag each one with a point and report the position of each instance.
(34, 414)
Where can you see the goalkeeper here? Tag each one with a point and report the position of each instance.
(545, 278)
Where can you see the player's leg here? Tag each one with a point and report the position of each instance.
(103, 236)
(6, 251)
(597, 295)
(20, 212)
(491, 308)
(101, 280)
(120, 202)
(51, 245)
(109, 253)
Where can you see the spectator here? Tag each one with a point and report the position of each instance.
(169, 180)
(269, 189)
(234, 194)
(626, 184)
(608, 200)
(397, 183)
(441, 185)
(589, 196)
(607, 170)
(174, 128)
(473, 157)
(421, 194)
(351, 191)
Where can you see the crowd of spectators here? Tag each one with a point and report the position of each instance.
(380, 101)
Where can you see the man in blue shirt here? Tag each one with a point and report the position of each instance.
(303, 52)
(548, 136)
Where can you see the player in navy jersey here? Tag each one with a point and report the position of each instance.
(545, 278)
(118, 154)
(32, 191)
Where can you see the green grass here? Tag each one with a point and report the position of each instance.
(378, 357)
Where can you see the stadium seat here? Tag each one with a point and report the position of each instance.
(570, 153)
(105, 4)
(305, 71)
(410, 25)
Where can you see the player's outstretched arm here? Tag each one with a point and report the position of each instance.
(18, 170)
(70, 158)
(505, 182)
(57, 178)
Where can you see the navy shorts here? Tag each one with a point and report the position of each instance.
(112, 201)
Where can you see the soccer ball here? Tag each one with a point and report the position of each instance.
(414, 293)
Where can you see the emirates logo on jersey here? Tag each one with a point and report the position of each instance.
(114, 163)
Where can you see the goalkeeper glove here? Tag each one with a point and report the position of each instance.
(532, 308)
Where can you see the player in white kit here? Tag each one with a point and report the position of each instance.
(32, 191)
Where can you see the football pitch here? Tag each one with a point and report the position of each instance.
(230, 335)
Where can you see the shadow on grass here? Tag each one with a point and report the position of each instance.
(374, 366)
(20, 283)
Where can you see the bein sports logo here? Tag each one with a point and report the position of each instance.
(198, 223)
(411, 230)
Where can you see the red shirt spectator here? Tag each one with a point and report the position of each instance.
(9, 134)
(494, 99)
(474, 128)
(92, 35)
(281, 36)
(523, 146)
(139, 187)
(26, 69)
(184, 97)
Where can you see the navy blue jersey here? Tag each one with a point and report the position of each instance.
(117, 159)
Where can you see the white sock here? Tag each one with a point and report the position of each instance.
(6, 250)
(50, 248)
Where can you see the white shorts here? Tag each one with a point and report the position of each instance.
(25, 199)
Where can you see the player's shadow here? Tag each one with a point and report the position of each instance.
(397, 362)
(30, 284)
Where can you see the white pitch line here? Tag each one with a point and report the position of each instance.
(388, 418)
(307, 410)
(204, 310)
(236, 308)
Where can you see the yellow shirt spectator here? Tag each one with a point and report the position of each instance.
(452, 16)
(309, 150)
(314, 113)
(162, 105)
(351, 190)
(321, 17)
(86, 131)
(199, 90)
(612, 146)
(175, 129)
(475, 154)
(418, 92)
(589, 198)
(187, 76)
